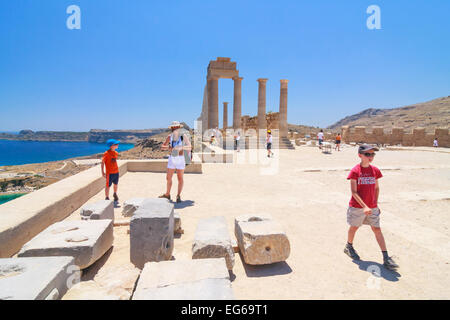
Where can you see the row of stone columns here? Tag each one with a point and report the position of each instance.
(213, 104)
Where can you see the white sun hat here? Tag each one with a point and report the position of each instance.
(175, 124)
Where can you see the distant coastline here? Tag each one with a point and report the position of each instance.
(93, 135)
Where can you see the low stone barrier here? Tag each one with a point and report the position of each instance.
(24, 217)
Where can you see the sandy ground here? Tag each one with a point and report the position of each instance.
(308, 195)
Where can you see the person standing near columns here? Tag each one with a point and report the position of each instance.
(237, 102)
(213, 102)
(283, 108)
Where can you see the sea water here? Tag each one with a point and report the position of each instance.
(14, 152)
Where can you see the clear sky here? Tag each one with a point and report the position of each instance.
(142, 63)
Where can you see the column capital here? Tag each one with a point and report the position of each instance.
(225, 102)
(213, 77)
(263, 80)
(284, 81)
(237, 78)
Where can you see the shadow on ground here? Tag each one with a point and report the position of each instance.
(90, 272)
(184, 204)
(267, 270)
(378, 270)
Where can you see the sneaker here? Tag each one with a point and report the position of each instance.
(116, 198)
(107, 198)
(390, 264)
(164, 196)
(178, 199)
(351, 252)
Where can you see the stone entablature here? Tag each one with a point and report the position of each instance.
(378, 135)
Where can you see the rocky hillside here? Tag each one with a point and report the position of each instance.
(430, 115)
(29, 135)
(125, 136)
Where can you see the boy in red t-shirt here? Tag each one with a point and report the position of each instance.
(363, 207)
(109, 162)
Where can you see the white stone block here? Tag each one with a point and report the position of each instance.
(151, 232)
(261, 240)
(201, 279)
(103, 209)
(86, 241)
(39, 278)
(212, 240)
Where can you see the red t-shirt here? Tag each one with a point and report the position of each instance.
(110, 160)
(365, 179)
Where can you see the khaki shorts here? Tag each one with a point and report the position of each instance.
(356, 217)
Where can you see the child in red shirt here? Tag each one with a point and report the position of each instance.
(109, 161)
(363, 207)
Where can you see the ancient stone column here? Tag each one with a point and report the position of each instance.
(237, 102)
(225, 115)
(262, 104)
(283, 108)
(213, 102)
(205, 109)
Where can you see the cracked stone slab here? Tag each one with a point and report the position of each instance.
(103, 209)
(261, 239)
(38, 278)
(85, 240)
(151, 232)
(212, 240)
(200, 279)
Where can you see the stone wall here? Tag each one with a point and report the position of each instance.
(377, 135)
(272, 121)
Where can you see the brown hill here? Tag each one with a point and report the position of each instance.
(430, 115)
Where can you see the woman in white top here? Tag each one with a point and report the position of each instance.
(176, 143)
(435, 143)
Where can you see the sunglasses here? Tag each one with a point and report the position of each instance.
(367, 154)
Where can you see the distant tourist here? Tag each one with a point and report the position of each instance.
(177, 143)
(109, 162)
(338, 142)
(435, 142)
(269, 143)
(320, 138)
(237, 138)
(363, 208)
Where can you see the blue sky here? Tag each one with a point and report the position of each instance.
(141, 64)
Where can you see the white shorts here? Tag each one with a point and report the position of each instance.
(177, 162)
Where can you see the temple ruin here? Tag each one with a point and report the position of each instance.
(224, 68)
